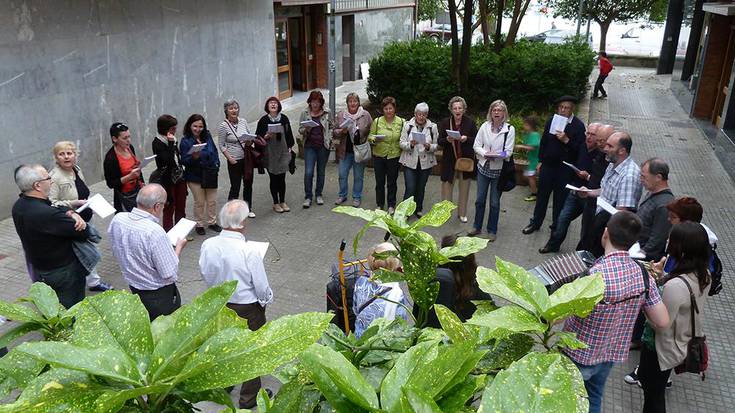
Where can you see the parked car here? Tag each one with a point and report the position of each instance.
(440, 32)
(555, 36)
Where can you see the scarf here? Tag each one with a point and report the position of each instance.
(277, 119)
(354, 117)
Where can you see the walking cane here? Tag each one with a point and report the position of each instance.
(341, 267)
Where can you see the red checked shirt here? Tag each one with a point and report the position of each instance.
(609, 327)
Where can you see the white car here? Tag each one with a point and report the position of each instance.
(555, 36)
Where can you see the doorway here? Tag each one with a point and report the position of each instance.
(283, 59)
(348, 47)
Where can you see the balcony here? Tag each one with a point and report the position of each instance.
(359, 5)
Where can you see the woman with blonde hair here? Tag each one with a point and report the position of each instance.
(69, 190)
(352, 129)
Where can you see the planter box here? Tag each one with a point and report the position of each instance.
(521, 165)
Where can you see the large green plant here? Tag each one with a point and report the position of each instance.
(40, 311)
(117, 360)
(417, 249)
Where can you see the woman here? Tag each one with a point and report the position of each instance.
(418, 156)
(275, 128)
(68, 189)
(385, 137)
(451, 148)
(317, 141)
(242, 151)
(493, 145)
(168, 161)
(195, 165)
(689, 245)
(122, 169)
(353, 127)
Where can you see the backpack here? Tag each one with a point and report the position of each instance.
(715, 273)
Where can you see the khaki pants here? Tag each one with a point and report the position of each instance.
(464, 192)
(202, 196)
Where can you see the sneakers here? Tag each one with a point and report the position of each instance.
(391, 210)
(200, 230)
(340, 200)
(475, 232)
(463, 219)
(101, 287)
(251, 214)
(215, 228)
(419, 214)
(530, 198)
(319, 200)
(632, 378)
(356, 203)
(491, 237)
(307, 203)
(278, 208)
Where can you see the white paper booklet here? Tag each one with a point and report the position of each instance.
(379, 137)
(607, 206)
(558, 123)
(574, 168)
(180, 231)
(99, 205)
(197, 147)
(346, 123)
(261, 247)
(453, 134)
(419, 137)
(574, 188)
(275, 128)
(636, 252)
(147, 160)
(309, 123)
(246, 137)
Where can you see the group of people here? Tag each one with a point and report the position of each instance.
(59, 242)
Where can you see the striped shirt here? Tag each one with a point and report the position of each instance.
(621, 185)
(142, 249)
(228, 134)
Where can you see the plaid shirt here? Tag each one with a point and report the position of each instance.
(621, 185)
(609, 327)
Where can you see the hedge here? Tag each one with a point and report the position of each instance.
(528, 76)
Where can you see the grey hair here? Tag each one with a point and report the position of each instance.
(657, 166)
(233, 214)
(229, 103)
(456, 99)
(150, 195)
(421, 107)
(352, 95)
(27, 175)
(497, 103)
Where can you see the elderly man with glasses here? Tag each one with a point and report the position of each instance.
(48, 233)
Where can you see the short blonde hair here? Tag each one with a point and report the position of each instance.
(64, 145)
(456, 99)
(352, 95)
(497, 103)
(389, 263)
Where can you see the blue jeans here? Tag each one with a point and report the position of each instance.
(344, 173)
(594, 381)
(314, 157)
(415, 180)
(485, 185)
(573, 208)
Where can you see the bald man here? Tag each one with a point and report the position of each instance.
(596, 172)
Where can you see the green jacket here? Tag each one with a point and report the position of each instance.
(390, 146)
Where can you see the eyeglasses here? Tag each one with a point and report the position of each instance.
(48, 178)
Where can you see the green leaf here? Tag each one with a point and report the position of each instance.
(457, 396)
(514, 284)
(57, 391)
(437, 216)
(506, 320)
(45, 299)
(111, 401)
(17, 370)
(17, 332)
(387, 276)
(504, 352)
(364, 214)
(569, 340)
(374, 375)
(19, 312)
(342, 374)
(115, 319)
(578, 297)
(263, 401)
(539, 382)
(418, 402)
(404, 209)
(464, 246)
(104, 361)
(452, 325)
(295, 397)
(390, 390)
(189, 321)
(236, 355)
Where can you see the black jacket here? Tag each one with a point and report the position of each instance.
(165, 158)
(113, 174)
(552, 151)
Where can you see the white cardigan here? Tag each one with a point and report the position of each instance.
(410, 156)
(487, 141)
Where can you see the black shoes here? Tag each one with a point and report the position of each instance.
(475, 232)
(200, 230)
(215, 228)
(101, 287)
(547, 249)
(530, 228)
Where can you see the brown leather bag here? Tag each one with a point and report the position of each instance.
(462, 164)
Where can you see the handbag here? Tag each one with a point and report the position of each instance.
(507, 178)
(363, 152)
(292, 163)
(697, 357)
(128, 200)
(210, 177)
(462, 164)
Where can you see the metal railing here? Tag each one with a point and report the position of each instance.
(354, 5)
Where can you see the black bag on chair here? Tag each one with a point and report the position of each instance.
(507, 179)
(210, 177)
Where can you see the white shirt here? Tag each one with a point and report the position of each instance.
(488, 141)
(228, 257)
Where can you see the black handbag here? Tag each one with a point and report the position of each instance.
(210, 177)
(128, 200)
(697, 357)
(507, 179)
(292, 163)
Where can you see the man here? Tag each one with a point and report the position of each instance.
(620, 186)
(605, 68)
(147, 260)
(229, 256)
(652, 210)
(555, 148)
(607, 329)
(574, 205)
(47, 234)
(593, 178)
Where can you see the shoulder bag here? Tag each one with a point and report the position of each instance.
(507, 179)
(697, 357)
(363, 152)
(461, 164)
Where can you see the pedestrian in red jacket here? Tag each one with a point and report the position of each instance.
(605, 68)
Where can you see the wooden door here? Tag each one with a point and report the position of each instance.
(348, 47)
(283, 59)
(723, 84)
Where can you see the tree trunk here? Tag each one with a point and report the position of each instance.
(452, 6)
(499, 25)
(519, 10)
(464, 64)
(604, 26)
(483, 22)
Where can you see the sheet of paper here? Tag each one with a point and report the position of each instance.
(146, 161)
(246, 137)
(99, 205)
(454, 134)
(574, 168)
(574, 188)
(636, 252)
(309, 123)
(346, 123)
(379, 138)
(604, 204)
(275, 128)
(180, 231)
(558, 123)
(261, 247)
(419, 137)
(197, 147)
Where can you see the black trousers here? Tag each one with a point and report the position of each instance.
(278, 187)
(68, 282)
(162, 301)
(237, 178)
(386, 168)
(598, 85)
(595, 236)
(552, 180)
(255, 314)
(653, 381)
(588, 218)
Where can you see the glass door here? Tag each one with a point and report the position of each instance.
(283, 59)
